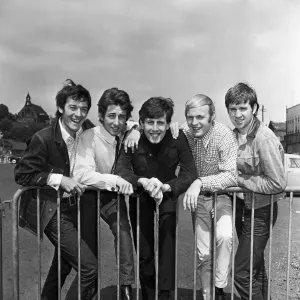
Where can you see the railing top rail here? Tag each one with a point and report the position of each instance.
(21, 190)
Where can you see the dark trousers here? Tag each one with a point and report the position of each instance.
(242, 257)
(69, 257)
(167, 225)
(89, 235)
(108, 214)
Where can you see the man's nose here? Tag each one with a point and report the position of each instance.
(78, 113)
(116, 121)
(154, 127)
(238, 113)
(194, 121)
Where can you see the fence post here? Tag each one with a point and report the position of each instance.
(15, 245)
(156, 238)
(1, 267)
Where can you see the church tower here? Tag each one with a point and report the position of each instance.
(28, 98)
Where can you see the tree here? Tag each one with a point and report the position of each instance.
(6, 125)
(3, 111)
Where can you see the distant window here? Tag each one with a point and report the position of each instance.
(294, 162)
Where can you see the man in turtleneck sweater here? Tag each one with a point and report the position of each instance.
(151, 168)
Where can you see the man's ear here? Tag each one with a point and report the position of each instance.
(141, 124)
(61, 110)
(254, 109)
(100, 117)
(213, 117)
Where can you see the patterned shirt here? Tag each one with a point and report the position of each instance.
(215, 156)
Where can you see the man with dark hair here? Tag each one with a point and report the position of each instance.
(98, 150)
(49, 159)
(152, 168)
(260, 169)
(214, 149)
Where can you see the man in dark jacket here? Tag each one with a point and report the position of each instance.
(152, 168)
(49, 160)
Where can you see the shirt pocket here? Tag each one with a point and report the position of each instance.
(211, 156)
(251, 163)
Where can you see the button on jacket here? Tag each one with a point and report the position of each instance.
(260, 165)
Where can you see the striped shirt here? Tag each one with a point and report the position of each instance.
(215, 156)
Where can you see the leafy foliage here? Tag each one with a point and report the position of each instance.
(4, 112)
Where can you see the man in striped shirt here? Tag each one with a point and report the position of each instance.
(214, 149)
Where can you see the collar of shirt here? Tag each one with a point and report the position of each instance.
(252, 131)
(205, 139)
(107, 136)
(66, 136)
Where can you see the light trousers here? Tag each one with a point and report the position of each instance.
(224, 236)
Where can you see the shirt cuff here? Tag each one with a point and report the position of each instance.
(54, 180)
(205, 184)
(111, 182)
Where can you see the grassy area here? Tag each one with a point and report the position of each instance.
(28, 253)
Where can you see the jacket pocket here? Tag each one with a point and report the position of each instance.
(171, 159)
(140, 163)
(251, 162)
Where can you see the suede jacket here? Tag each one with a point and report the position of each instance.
(260, 165)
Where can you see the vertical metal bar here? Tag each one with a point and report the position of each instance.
(39, 243)
(79, 245)
(156, 242)
(15, 245)
(98, 243)
(270, 248)
(251, 245)
(213, 282)
(289, 249)
(58, 245)
(118, 246)
(176, 251)
(137, 247)
(195, 255)
(233, 244)
(1, 267)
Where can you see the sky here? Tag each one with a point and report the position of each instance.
(171, 48)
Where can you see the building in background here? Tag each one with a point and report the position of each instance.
(32, 113)
(293, 129)
(279, 128)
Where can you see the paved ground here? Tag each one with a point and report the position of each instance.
(28, 253)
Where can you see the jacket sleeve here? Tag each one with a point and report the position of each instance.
(272, 178)
(124, 167)
(32, 168)
(187, 172)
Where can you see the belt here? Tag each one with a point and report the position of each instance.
(211, 194)
(69, 201)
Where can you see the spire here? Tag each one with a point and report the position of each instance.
(28, 102)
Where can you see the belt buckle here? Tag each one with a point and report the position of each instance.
(74, 200)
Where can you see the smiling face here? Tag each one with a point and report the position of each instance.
(241, 116)
(155, 129)
(199, 120)
(114, 119)
(73, 115)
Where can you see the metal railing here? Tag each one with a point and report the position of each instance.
(234, 190)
